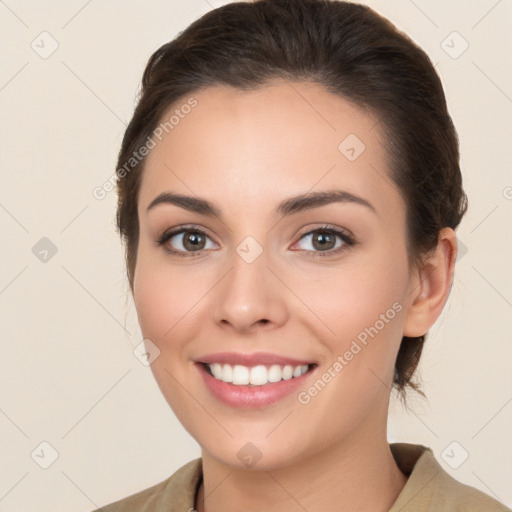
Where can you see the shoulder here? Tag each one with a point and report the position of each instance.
(456, 496)
(430, 488)
(174, 493)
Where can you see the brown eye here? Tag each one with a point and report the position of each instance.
(184, 241)
(326, 241)
(193, 241)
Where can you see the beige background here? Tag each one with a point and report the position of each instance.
(68, 376)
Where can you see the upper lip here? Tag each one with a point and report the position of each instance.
(254, 359)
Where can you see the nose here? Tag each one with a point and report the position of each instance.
(250, 297)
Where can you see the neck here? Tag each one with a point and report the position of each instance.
(352, 475)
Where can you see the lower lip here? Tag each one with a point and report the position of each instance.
(251, 396)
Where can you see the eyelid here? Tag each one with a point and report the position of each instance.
(328, 227)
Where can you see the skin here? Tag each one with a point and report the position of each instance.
(246, 152)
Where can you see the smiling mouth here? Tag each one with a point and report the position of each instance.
(259, 375)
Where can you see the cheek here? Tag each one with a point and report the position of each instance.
(353, 297)
(164, 303)
(151, 295)
(362, 307)
(160, 296)
(170, 304)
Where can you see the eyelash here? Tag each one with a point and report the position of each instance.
(347, 239)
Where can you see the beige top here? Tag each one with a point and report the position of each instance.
(429, 488)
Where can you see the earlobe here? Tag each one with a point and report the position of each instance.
(431, 286)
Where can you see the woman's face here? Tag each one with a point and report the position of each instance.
(267, 275)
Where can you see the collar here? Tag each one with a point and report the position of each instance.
(429, 487)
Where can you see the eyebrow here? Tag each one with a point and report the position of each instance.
(287, 207)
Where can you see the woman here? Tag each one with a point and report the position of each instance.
(288, 192)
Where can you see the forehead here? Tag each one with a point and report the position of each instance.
(283, 139)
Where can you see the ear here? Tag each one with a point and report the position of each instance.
(431, 285)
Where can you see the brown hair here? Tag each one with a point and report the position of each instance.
(350, 50)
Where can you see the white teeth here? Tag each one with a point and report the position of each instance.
(274, 373)
(256, 375)
(287, 372)
(240, 375)
(227, 373)
(216, 369)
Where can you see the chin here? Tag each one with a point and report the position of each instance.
(256, 455)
